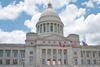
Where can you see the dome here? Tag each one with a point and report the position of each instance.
(49, 11)
(49, 15)
(49, 22)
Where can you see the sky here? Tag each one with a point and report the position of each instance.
(18, 17)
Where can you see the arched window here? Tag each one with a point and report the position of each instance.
(51, 27)
(55, 28)
(44, 27)
(40, 28)
(58, 27)
(47, 27)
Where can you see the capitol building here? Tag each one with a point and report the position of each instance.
(48, 47)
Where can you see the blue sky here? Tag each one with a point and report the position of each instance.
(20, 16)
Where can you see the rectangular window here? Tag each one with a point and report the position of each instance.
(31, 52)
(54, 62)
(81, 54)
(22, 54)
(1, 53)
(75, 53)
(7, 61)
(31, 60)
(59, 61)
(87, 54)
(82, 62)
(94, 61)
(76, 62)
(64, 61)
(8, 53)
(94, 54)
(0, 61)
(15, 61)
(88, 61)
(99, 54)
(43, 61)
(15, 53)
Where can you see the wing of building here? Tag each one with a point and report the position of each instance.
(49, 48)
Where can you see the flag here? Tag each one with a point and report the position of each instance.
(72, 43)
(64, 44)
(60, 44)
(84, 43)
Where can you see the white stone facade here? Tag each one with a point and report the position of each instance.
(42, 49)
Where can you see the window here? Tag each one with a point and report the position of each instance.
(55, 28)
(22, 54)
(82, 61)
(15, 61)
(8, 53)
(75, 53)
(93, 54)
(31, 52)
(81, 54)
(43, 41)
(48, 62)
(0, 61)
(47, 27)
(1, 53)
(58, 27)
(59, 61)
(88, 61)
(40, 28)
(15, 53)
(51, 27)
(76, 62)
(64, 61)
(44, 27)
(94, 61)
(31, 60)
(7, 61)
(43, 61)
(99, 54)
(54, 62)
(87, 54)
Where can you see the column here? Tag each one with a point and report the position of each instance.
(52, 56)
(62, 56)
(18, 56)
(85, 58)
(46, 56)
(4, 57)
(11, 58)
(57, 56)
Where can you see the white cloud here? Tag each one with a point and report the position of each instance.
(74, 21)
(11, 11)
(88, 4)
(12, 37)
(32, 23)
(97, 1)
